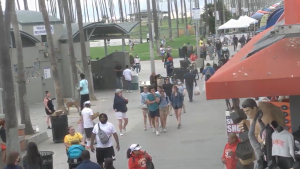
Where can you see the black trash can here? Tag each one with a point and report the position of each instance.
(59, 128)
(47, 157)
(180, 53)
(184, 64)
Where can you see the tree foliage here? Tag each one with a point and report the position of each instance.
(211, 18)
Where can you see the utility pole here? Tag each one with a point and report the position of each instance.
(150, 36)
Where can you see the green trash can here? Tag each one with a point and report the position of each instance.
(135, 82)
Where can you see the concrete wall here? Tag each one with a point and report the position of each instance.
(104, 68)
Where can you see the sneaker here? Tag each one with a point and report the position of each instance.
(114, 158)
(153, 130)
(179, 125)
(121, 134)
(145, 129)
(130, 91)
(165, 130)
(157, 133)
(162, 130)
(170, 114)
(127, 91)
(49, 127)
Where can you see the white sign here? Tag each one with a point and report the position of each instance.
(196, 13)
(47, 73)
(41, 30)
(233, 10)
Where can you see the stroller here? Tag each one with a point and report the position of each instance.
(74, 156)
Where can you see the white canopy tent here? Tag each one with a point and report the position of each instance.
(233, 24)
(247, 20)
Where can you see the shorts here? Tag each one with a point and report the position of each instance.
(88, 132)
(121, 115)
(177, 107)
(164, 111)
(154, 113)
(3, 147)
(103, 153)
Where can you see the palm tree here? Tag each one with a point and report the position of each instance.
(177, 19)
(169, 20)
(155, 20)
(206, 21)
(185, 15)
(25, 5)
(125, 10)
(181, 6)
(59, 94)
(24, 109)
(9, 104)
(84, 57)
(87, 10)
(173, 16)
(121, 10)
(61, 11)
(71, 50)
(140, 20)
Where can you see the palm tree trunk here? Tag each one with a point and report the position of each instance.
(61, 11)
(25, 5)
(155, 20)
(125, 10)
(185, 15)
(121, 11)
(93, 11)
(71, 50)
(206, 19)
(140, 20)
(181, 6)
(12, 141)
(191, 13)
(96, 5)
(84, 14)
(83, 51)
(87, 10)
(18, 5)
(173, 16)
(169, 20)
(24, 109)
(59, 94)
(105, 6)
(177, 19)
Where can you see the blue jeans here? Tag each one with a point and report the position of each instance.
(128, 85)
(119, 83)
(219, 54)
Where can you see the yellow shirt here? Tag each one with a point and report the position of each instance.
(201, 43)
(73, 140)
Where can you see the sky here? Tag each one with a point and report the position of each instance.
(163, 5)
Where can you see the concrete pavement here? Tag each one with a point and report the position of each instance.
(198, 144)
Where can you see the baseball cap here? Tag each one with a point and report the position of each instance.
(135, 147)
(87, 103)
(118, 90)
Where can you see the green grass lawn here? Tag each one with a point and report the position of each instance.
(143, 49)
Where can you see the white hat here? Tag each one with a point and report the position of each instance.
(135, 147)
(118, 90)
(87, 103)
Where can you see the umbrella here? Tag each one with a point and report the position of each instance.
(257, 16)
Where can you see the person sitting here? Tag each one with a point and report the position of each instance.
(73, 138)
(87, 163)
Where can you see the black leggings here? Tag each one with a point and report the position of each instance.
(84, 98)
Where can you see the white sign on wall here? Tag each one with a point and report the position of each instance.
(41, 30)
(196, 13)
(233, 10)
(47, 73)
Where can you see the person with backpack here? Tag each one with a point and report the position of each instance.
(103, 133)
(163, 109)
(177, 102)
(208, 72)
(138, 159)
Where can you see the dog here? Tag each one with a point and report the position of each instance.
(71, 103)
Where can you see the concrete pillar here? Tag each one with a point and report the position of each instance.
(294, 112)
(123, 43)
(105, 47)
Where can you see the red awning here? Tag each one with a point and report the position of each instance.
(272, 71)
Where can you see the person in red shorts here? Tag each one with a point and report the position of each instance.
(229, 157)
(193, 57)
(3, 140)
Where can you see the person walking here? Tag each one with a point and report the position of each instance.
(144, 107)
(137, 159)
(153, 100)
(210, 51)
(33, 159)
(13, 161)
(137, 64)
(120, 107)
(153, 80)
(208, 72)
(242, 40)
(189, 79)
(235, 42)
(83, 90)
(182, 90)
(169, 50)
(218, 48)
(87, 163)
(49, 108)
(184, 51)
(168, 90)
(128, 77)
(119, 74)
(87, 117)
(164, 110)
(103, 133)
(162, 52)
(177, 102)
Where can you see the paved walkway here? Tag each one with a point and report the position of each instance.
(198, 144)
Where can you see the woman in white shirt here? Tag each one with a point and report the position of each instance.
(137, 64)
(162, 52)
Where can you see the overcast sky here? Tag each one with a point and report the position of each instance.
(163, 5)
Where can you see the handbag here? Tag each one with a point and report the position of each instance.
(149, 163)
(144, 106)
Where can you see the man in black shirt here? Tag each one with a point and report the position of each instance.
(242, 41)
(185, 51)
(235, 42)
(119, 73)
(218, 48)
(189, 79)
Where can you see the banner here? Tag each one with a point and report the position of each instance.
(41, 30)
(285, 107)
(230, 126)
(263, 20)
